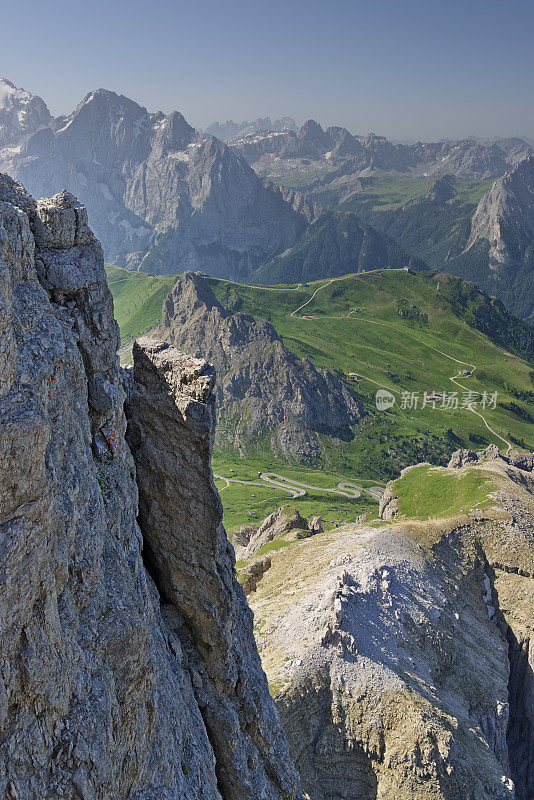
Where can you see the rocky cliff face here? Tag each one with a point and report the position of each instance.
(21, 114)
(402, 654)
(503, 224)
(264, 390)
(128, 664)
(507, 208)
(161, 196)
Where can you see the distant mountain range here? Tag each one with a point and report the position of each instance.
(461, 206)
(164, 198)
(335, 152)
(229, 129)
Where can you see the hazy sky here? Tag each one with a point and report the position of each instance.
(410, 69)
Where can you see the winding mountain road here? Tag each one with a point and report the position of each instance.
(345, 489)
(298, 489)
(484, 420)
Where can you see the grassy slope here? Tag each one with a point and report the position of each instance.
(380, 192)
(397, 353)
(429, 493)
(138, 299)
(437, 233)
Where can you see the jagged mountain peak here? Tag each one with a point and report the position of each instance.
(110, 102)
(337, 133)
(21, 113)
(195, 294)
(260, 381)
(162, 197)
(174, 131)
(313, 138)
(104, 112)
(311, 129)
(101, 104)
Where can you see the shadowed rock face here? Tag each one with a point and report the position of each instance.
(112, 685)
(172, 420)
(263, 389)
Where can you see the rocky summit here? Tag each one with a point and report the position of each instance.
(129, 668)
(400, 652)
(264, 391)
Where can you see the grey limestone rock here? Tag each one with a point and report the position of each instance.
(21, 114)
(402, 654)
(108, 689)
(462, 457)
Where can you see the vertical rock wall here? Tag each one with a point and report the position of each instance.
(172, 423)
(98, 683)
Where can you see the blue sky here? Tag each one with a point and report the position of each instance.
(407, 69)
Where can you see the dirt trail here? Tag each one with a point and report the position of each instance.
(425, 344)
(312, 297)
(484, 420)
